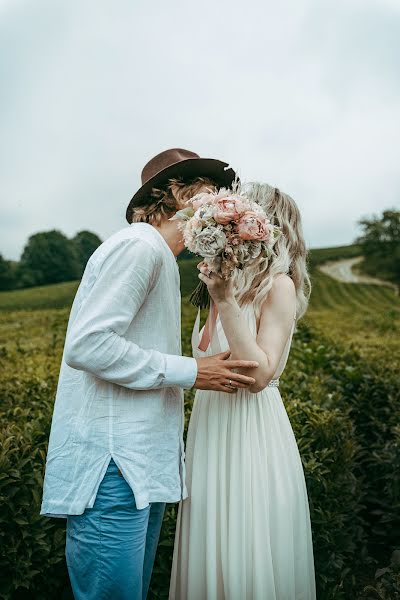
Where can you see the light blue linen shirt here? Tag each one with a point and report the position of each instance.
(120, 390)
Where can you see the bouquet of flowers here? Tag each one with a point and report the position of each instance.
(228, 231)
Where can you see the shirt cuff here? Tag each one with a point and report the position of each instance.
(180, 371)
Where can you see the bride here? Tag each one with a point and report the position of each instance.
(244, 533)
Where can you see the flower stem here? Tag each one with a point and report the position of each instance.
(200, 296)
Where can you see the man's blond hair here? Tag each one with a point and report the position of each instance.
(166, 202)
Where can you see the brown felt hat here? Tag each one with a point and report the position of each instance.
(175, 163)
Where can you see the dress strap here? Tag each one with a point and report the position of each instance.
(196, 336)
(215, 343)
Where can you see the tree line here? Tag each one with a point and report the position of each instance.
(48, 257)
(380, 244)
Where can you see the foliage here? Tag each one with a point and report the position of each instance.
(189, 275)
(61, 295)
(31, 546)
(85, 243)
(380, 245)
(370, 397)
(186, 255)
(7, 274)
(329, 449)
(341, 391)
(58, 295)
(365, 317)
(28, 541)
(387, 582)
(328, 293)
(318, 256)
(326, 440)
(48, 257)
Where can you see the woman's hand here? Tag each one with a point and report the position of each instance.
(219, 289)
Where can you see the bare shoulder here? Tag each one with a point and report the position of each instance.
(282, 289)
(282, 295)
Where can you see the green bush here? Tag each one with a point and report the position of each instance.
(61, 295)
(328, 448)
(380, 245)
(32, 547)
(369, 393)
(345, 415)
(387, 582)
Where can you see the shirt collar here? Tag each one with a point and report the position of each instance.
(161, 238)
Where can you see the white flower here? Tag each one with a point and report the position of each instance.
(205, 213)
(248, 251)
(210, 242)
(191, 230)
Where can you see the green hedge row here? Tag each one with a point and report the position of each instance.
(345, 417)
(370, 393)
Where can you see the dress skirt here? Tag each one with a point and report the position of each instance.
(244, 533)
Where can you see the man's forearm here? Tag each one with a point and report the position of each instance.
(111, 357)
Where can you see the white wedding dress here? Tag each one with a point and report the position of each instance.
(244, 533)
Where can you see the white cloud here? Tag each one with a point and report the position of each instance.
(302, 94)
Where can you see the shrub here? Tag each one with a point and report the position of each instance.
(344, 412)
(32, 547)
(328, 447)
(85, 243)
(380, 245)
(387, 582)
(48, 257)
(369, 394)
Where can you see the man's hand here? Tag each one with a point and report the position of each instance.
(215, 373)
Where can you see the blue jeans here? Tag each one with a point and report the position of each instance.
(110, 548)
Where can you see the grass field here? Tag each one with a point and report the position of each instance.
(365, 316)
(341, 390)
(59, 295)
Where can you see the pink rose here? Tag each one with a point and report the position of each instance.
(252, 226)
(228, 210)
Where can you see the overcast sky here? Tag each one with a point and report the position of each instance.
(302, 94)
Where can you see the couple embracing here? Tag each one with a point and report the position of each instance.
(116, 451)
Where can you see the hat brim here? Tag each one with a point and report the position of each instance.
(188, 169)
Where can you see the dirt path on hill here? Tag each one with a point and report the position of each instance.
(342, 270)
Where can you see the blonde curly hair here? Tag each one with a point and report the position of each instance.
(166, 202)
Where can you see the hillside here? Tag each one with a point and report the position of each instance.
(361, 315)
(61, 295)
(364, 316)
(327, 293)
(340, 390)
(58, 295)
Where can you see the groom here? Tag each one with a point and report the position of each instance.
(116, 452)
